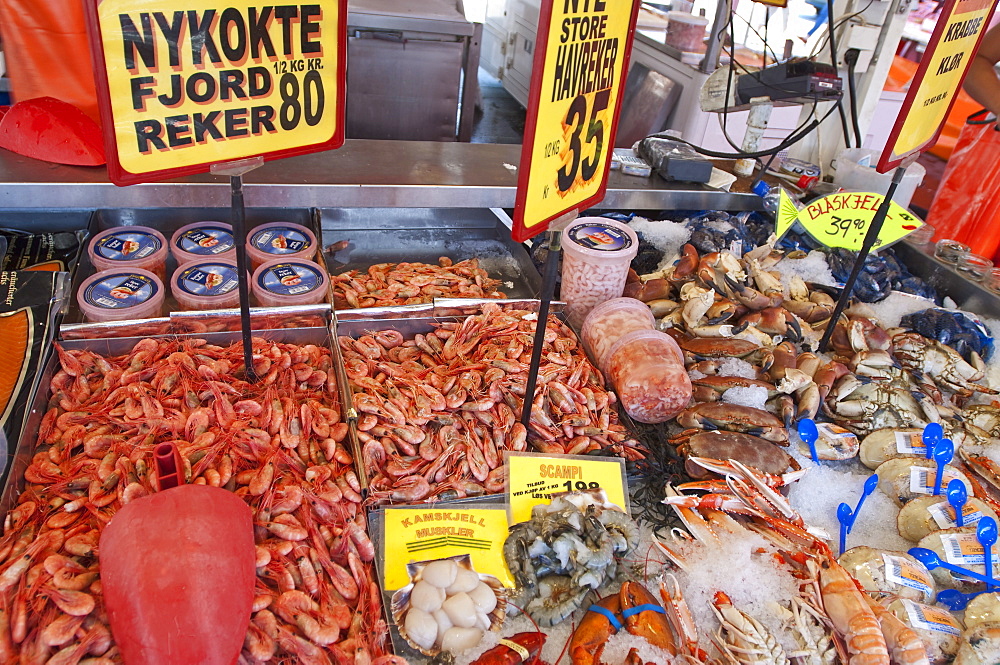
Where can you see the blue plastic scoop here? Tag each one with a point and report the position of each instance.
(986, 534)
(943, 454)
(931, 560)
(957, 496)
(809, 434)
(954, 599)
(931, 435)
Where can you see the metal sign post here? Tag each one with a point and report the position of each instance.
(569, 130)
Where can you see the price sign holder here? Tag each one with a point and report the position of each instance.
(871, 236)
(219, 86)
(181, 87)
(957, 35)
(577, 83)
(534, 478)
(424, 533)
(238, 216)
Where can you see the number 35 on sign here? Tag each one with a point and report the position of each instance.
(577, 81)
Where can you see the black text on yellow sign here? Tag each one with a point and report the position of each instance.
(534, 479)
(425, 534)
(943, 66)
(576, 84)
(184, 87)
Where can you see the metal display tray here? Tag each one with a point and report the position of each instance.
(452, 309)
(968, 295)
(394, 235)
(19, 456)
(166, 221)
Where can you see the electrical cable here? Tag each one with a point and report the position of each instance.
(841, 21)
(836, 71)
(786, 143)
(851, 58)
(797, 135)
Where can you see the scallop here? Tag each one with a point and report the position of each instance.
(880, 446)
(984, 608)
(465, 581)
(894, 478)
(916, 521)
(461, 610)
(420, 628)
(426, 597)
(440, 573)
(939, 646)
(484, 597)
(443, 623)
(980, 644)
(944, 578)
(483, 621)
(869, 567)
(459, 639)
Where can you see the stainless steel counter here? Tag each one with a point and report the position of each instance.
(364, 174)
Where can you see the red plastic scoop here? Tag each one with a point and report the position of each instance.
(177, 570)
(51, 130)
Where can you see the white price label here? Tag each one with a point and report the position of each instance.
(910, 443)
(902, 571)
(944, 515)
(930, 618)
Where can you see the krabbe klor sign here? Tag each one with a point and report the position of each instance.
(185, 87)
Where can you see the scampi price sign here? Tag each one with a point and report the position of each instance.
(577, 80)
(184, 85)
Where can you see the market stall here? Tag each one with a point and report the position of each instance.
(330, 405)
(372, 431)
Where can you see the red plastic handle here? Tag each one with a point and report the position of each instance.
(169, 466)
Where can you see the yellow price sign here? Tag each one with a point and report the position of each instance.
(842, 220)
(182, 86)
(577, 80)
(425, 533)
(957, 34)
(535, 478)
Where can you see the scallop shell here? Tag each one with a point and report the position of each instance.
(401, 599)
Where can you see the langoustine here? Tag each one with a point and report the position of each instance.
(438, 410)
(277, 443)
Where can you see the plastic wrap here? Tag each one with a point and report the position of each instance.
(609, 322)
(646, 369)
(967, 203)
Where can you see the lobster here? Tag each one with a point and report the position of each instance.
(522, 648)
(632, 608)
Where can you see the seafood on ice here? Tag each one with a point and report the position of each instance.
(392, 284)
(438, 410)
(568, 548)
(448, 606)
(278, 444)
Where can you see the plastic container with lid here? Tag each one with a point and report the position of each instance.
(596, 257)
(283, 282)
(646, 369)
(203, 240)
(856, 172)
(610, 321)
(280, 240)
(206, 284)
(685, 32)
(128, 248)
(121, 295)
